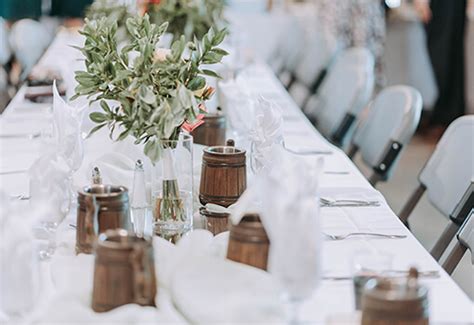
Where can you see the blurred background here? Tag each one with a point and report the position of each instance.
(425, 44)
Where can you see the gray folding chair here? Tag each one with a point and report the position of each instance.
(449, 172)
(345, 92)
(287, 55)
(310, 68)
(465, 240)
(382, 135)
(457, 218)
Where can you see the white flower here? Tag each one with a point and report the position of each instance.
(161, 54)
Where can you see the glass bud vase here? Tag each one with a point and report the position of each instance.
(172, 188)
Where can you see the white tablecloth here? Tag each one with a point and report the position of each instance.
(448, 303)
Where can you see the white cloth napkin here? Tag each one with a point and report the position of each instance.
(19, 278)
(238, 104)
(286, 197)
(267, 130)
(67, 125)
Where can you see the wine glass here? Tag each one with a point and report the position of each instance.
(50, 199)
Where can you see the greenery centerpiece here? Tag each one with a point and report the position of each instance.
(186, 17)
(147, 93)
(113, 11)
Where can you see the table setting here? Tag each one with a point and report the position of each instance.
(150, 190)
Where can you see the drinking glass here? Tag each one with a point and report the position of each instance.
(172, 188)
(50, 203)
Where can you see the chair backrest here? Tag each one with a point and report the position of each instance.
(316, 56)
(28, 40)
(450, 169)
(393, 117)
(346, 90)
(358, 57)
(290, 48)
(466, 234)
(5, 51)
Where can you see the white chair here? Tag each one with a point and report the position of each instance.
(449, 171)
(28, 40)
(289, 51)
(465, 240)
(309, 69)
(388, 127)
(5, 51)
(343, 95)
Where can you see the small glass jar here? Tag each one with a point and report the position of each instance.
(172, 188)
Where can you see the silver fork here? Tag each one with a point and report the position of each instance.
(347, 202)
(373, 234)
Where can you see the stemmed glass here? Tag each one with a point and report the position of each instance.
(297, 274)
(50, 199)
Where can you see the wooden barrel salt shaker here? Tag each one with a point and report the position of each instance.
(223, 175)
(215, 222)
(124, 271)
(212, 132)
(100, 207)
(248, 242)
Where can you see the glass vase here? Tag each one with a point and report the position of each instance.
(172, 188)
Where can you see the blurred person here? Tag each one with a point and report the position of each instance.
(12, 10)
(445, 28)
(356, 23)
(72, 11)
(68, 8)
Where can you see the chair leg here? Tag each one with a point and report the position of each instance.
(443, 242)
(454, 257)
(411, 203)
(352, 150)
(374, 179)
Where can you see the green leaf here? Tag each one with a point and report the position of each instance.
(210, 73)
(220, 51)
(98, 117)
(96, 128)
(212, 58)
(105, 106)
(219, 37)
(196, 83)
(123, 135)
(146, 94)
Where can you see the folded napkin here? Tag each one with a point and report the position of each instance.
(19, 278)
(67, 124)
(267, 130)
(286, 197)
(238, 105)
(290, 206)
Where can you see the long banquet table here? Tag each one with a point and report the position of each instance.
(448, 303)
